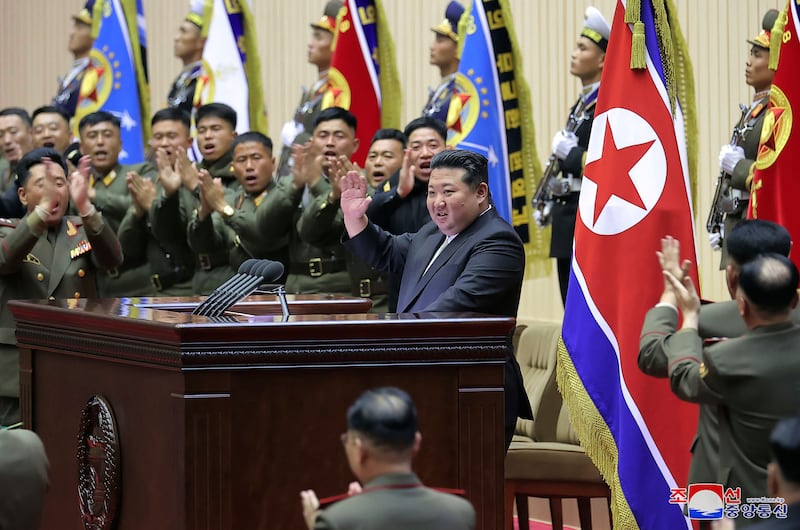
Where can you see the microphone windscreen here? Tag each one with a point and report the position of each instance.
(270, 270)
(248, 265)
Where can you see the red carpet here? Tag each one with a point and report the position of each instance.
(537, 525)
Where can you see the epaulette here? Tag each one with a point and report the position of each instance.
(11, 223)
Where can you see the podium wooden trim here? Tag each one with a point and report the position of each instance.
(221, 424)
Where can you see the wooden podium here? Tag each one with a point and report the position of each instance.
(219, 425)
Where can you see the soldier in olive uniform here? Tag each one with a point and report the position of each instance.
(50, 128)
(47, 254)
(253, 226)
(317, 258)
(298, 130)
(738, 161)
(80, 46)
(176, 205)
(188, 46)
(108, 191)
(16, 139)
(570, 145)
(444, 56)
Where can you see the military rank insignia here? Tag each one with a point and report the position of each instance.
(71, 229)
(82, 248)
(30, 258)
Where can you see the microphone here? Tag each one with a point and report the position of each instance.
(217, 294)
(263, 271)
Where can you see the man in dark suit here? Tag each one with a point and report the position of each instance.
(380, 441)
(753, 380)
(23, 479)
(467, 259)
(783, 474)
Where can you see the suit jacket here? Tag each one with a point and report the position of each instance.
(479, 271)
(398, 501)
(754, 381)
(659, 327)
(32, 267)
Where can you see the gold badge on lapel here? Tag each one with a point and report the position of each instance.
(30, 258)
(703, 370)
(82, 248)
(71, 229)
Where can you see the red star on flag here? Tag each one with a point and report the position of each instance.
(612, 161)
(457, 104)
(776, 113)
(90, 81)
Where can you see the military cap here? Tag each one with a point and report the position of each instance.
(762, 39)
(328, 20)
(449, 26)
(595, 27)
(195, 15)
(85, 14)
(785, 442)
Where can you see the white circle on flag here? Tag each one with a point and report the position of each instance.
(648, 174)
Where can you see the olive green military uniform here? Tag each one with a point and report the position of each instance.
(308, 109)
(317, 258)
(258, 228)
(39, 263)
(132, 278)
(6, 175)
(170, 218)
(23, 479)
(743, 172)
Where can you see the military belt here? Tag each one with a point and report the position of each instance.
(318, 266)
(209, 261)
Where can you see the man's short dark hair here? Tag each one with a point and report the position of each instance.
(17, 111)
(172, 114)
(785, 444)
(50, 109)
(475, 165)
(751, 237)
(216, 110)
(426, 122)
(385, 416)
(390, 134)
(337, 113)
(34, 158)
(96, 118)
(253, 136)
(770, 282)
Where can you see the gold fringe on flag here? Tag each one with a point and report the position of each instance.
(252, 68)
(594, 435)
(391, 92)
(633, 15)
(131, 18)
(97, 17)
(776, 37)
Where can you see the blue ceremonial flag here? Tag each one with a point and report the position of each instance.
(636, 190)
(115, 80)
(489, 110)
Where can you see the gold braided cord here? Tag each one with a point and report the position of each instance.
(208, 12)
(683, 85)
(129, 9)
(594, 435)
(537, 251)
(391, 92)
(776, 37)
(252, 69)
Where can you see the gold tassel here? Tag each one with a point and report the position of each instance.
(776, 37)
(633, 11)
(638, 47)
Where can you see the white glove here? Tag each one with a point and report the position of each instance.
(542, 217)
(563, 142)
(715, 238)
(729, 156)
(290, 131)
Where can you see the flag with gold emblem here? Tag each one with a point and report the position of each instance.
(115, 80)
(231, 66)
(363, 75)
(775, 185)
(490, 111)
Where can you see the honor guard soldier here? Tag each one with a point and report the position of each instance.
(188, 46)
(299, 129)
(108, 191)
(444, 56)
(80, 45)
(48, 254)
(570, 144)
(738, 159)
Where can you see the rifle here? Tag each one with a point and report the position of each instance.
(550, 185)
(722, 204)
